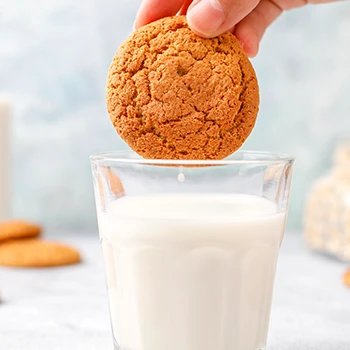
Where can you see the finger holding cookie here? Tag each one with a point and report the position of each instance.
(247, 19)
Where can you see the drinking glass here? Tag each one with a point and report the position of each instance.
(190, 247)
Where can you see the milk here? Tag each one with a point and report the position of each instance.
(4, 159)
(191, 272)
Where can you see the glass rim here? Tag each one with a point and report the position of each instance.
(130, 157)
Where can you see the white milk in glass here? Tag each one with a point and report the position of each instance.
(191, 272)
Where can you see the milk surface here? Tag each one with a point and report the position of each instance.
(190, 272)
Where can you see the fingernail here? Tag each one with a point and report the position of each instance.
(241, 42)
(251, 48)
(206, 16)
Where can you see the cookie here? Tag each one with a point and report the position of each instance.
(174, 95)
(18, 229)
(33, 252)
(346, 278)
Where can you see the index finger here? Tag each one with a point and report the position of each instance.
(151, 10)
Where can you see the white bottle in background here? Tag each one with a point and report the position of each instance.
(5, 187)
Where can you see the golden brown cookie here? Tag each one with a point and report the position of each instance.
(346, 278)
(18, 229)
(174, 95)
(33, 252)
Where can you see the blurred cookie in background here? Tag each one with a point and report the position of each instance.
(18, 229)
(34, 252)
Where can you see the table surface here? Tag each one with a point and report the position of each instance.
(66, 308)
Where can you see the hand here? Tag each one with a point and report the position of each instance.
(247, 19)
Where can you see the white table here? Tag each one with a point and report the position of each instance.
(66, 308)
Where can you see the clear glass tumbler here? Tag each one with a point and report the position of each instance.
(190, 248)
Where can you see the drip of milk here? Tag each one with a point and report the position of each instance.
(191, 272)
(4, 159)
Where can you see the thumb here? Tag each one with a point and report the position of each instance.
(210, 18)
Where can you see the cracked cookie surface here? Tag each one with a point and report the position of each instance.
(174, 95)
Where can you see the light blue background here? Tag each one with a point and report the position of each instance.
(54, 57)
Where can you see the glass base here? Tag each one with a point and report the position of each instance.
(117, 347)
